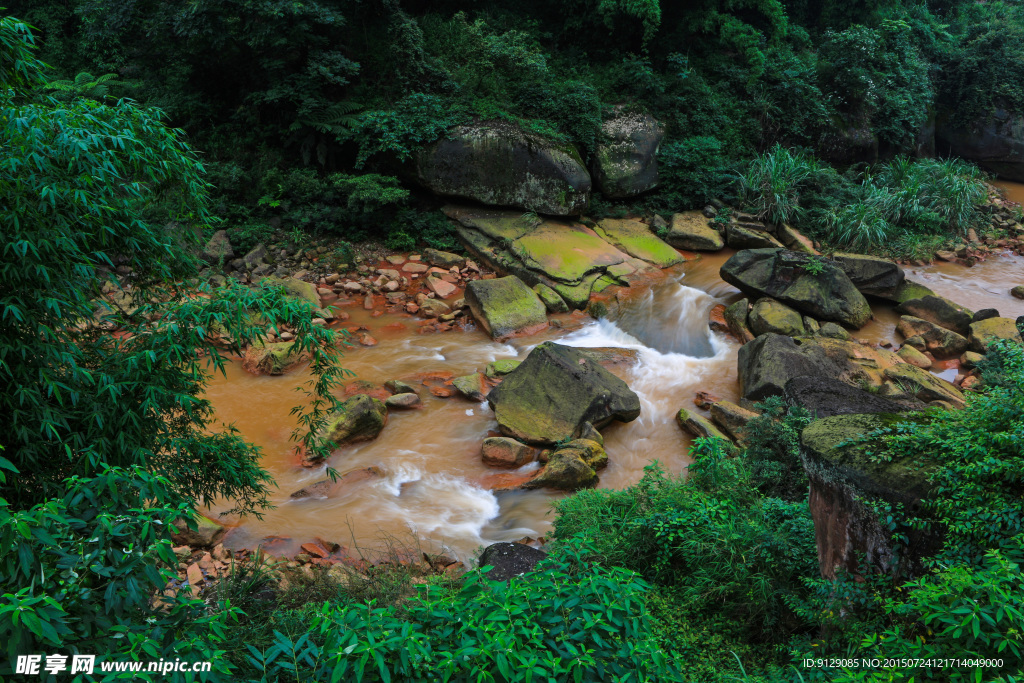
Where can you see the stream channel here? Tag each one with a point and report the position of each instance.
(435, 491)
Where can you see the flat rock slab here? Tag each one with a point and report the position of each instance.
(506, 307)
(637, 240)
(566, 252)
(690, 230)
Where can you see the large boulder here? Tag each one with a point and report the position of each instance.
(218, 250)
(505, 307)
(846, 480)
(994, 141)
(625, 162)
(827, 396)
(272, 358)
(937, 339)
(769, 362)
(872, 275)
(690, 230)
(555, 391)
(788, 277)
(500, 164)
(636, 239)
(360, 418)
(984, 332)
(938, 310)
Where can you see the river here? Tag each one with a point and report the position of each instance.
(434, 493)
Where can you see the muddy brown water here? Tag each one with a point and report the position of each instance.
(433, 492)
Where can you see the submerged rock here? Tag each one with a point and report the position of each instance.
(505, 307)
(785, 275)
(625, 162)
(557, 389)
(328, 488)
(690, 230)
(500, 164)
(360, 418)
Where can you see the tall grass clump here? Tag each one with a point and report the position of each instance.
(774, 181)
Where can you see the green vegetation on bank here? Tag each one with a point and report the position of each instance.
(308, 114)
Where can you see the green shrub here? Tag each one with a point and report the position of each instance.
(774, 182)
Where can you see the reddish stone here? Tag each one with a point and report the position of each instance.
(315, 549)
(716, 319)
(366, 340)
(442, 392)
(705, 399)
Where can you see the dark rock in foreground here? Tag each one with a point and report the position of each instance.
(510, 560)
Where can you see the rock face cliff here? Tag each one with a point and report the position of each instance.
(853, 496)
(994, 141)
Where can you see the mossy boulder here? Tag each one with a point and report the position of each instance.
(690, 230)
(571, 467)
(636, 239)
(555, 391)
(923, 385)
(498, 163)
(909, 290)
(474, 387)
(272, 358)
(872, 275)
(625, 162)
(914, 357)
(443, 259)
(740, 237)
(827, 396)
(218, 250)
(732, 419)
(699, 426)
(784, 275)
(505, 307)
(297, 289)
(552, 300)
(984, 332)
(501, 451)
(938, 340)
(939, 310)
(360, 418)
(769, 315)
(738, 320)
(501, 367)
(834, 331)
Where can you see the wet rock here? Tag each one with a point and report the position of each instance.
(509, 560)
(984, 332)
(731, 419)
(833, 331)
(938, 310)
(402, 401)
(500, 368)
(571, 467)
(782, 275)
(769, 315)
(698, 426)
(825, 396)
(1018, 292)
(272, 358)
(625, 162)
(846, 480)
(443, 259)
(739, 237)
(434, 308)
(365, 339)
(552, 301)
(207, 533)
(327, 487)
(218, 249)
(984, 314)
(923, 385)
(737, 318)
(870, 274)
(937, 339)
(441, 288)
(555, 391)
(611, 356)
(500, 164)
(970, 359)
(360, 418)
(589, 432)
(908, 291)
(396, 386)
(716, 319)
(914, 357)
(505, 307)
(473, 387)
(637, 240)
(690, 230)
(501, 451)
